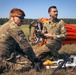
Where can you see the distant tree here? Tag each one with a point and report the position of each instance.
(69, 21)
(28, 21)
(3, 20)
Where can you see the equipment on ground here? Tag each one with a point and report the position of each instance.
(69, 62)
(61, 63)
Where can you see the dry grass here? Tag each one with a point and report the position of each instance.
(65, 50)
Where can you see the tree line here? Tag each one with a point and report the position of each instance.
(28, 21)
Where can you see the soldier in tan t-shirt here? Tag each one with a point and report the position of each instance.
(54, 30)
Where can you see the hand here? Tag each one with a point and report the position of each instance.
(38, 65)
(48, 35)
(40, 31)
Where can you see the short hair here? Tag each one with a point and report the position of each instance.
(16, 12)
(51, 7)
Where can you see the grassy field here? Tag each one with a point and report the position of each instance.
(25, 29)
(68, 49)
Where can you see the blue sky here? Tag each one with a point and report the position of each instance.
(39, 8)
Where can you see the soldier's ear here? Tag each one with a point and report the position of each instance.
(13, 18)
(49, 13)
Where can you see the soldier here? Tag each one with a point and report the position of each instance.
(13, 40)
(54, 30)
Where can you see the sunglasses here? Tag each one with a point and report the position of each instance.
(20, 17)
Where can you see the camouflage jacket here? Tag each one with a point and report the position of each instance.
(10, 36)
(57, 29)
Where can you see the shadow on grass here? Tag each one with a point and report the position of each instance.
(47, 55)
(65, 55)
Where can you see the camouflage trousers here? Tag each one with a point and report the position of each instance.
(21, 64)
(9, 59)
(48, 50)
(54, 47)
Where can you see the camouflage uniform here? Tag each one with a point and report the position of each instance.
(58, 30)
(12, 40)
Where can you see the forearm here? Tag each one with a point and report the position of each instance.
(59, 36)
(48, 35)
(55, 36)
